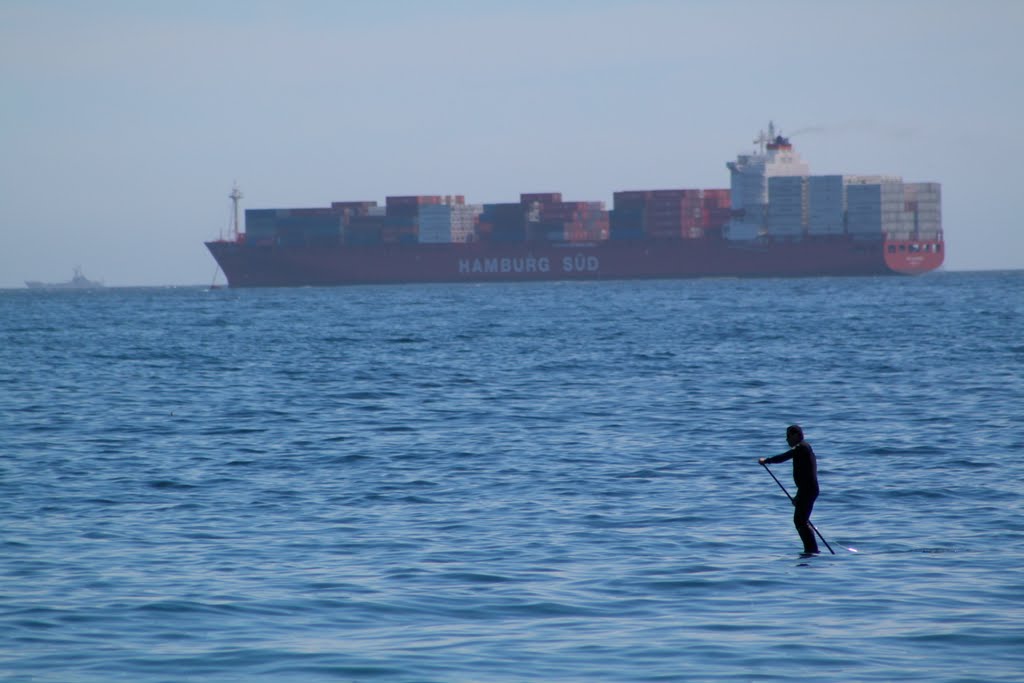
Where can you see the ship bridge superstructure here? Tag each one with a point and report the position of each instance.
(774, 157)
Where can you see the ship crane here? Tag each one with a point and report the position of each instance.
(235, 196)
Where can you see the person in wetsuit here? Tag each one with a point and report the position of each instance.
(805, 476)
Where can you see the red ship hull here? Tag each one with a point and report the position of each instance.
(256, 265)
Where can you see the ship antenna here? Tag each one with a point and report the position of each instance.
(760, 140)
(235, 196)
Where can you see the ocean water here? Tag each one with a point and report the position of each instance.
(513, 482)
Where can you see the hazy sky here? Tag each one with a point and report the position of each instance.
(124, 124)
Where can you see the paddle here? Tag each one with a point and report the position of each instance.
(794, 503)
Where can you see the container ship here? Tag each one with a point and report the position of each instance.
(775, 220)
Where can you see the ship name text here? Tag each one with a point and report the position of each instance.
(579, 263)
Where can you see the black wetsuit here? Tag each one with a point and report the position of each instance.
(805, 476)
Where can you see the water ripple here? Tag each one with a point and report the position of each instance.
(512, 482)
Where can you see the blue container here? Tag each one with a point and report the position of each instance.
(626, 233)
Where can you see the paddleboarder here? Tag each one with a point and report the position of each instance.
(805, 476)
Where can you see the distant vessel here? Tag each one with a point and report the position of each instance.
(78, 281)
(776, 219)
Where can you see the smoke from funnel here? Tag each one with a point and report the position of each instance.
(872, 128)
(809, 129)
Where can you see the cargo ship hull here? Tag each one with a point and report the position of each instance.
(267, 265)
(775, 220)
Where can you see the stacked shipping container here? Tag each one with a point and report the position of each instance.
(549, 218)
(502, 223)
(443, 223)
(402, 218)
(876, 207)
(669, 214)
(543, 217)
(866, 207)
(826, 205)
(786, 215)
(924, 200)
(361, 222)
(290, 227)
(261, 226)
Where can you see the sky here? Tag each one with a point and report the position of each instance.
(125, 124)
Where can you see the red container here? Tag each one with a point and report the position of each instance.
(719, 198)
(676, 194)
(664, 205)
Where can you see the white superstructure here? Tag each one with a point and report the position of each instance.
(774, 195)
(750, 175)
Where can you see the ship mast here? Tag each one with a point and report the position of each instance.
(762, 139)
(235, 196)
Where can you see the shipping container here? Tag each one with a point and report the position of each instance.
(353, 208)
(742, 231)
(541, 197)
(626, 233)
(631, 196)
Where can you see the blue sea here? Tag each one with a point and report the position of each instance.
(513, 482)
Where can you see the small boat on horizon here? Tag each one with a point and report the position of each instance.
(77, 281)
